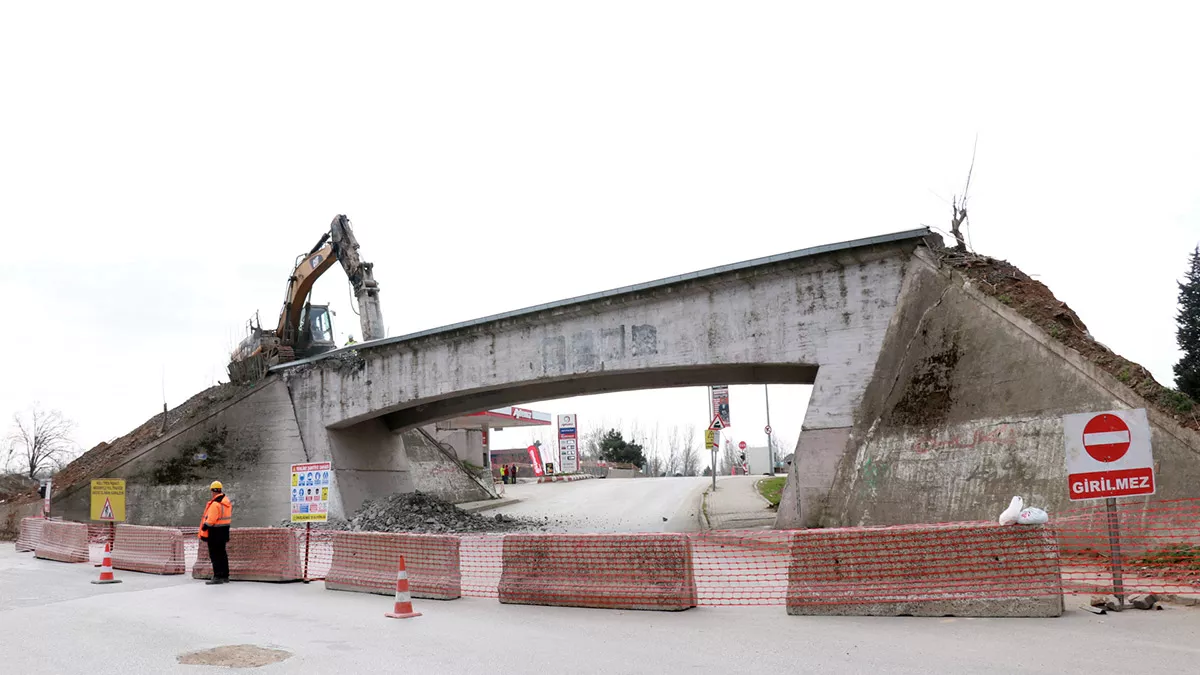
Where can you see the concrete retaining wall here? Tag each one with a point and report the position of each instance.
(153, 550)
(964, 411)
(258, 554)
(435, 473)
(64, 542)
(960, 569)
(367, 562)
(247, 444)
(608, 571)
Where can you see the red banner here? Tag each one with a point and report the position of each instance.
(535, 457)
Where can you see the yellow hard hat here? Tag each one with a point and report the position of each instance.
(216, 485)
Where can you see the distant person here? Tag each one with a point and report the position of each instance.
(351, 341)
(512, 472)
(214, 529)
(503, 474)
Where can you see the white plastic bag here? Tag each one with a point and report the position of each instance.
(1014, 509)
(1032, 516)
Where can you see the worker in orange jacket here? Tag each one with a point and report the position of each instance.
(214, 529)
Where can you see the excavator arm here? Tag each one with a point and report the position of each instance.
(337, 244)
(300, 284)
(361, 275)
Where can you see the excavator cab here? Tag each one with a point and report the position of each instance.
(316, 331)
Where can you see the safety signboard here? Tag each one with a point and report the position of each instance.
(108, 500)
(1108, 454)
(311, 484)
(568, 444)
(719, 404)
(712, 439)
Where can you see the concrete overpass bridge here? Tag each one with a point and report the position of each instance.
(932, 401)
(904, 354)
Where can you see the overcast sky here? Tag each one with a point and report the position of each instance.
(161, 166)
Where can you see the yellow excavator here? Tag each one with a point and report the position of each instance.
(305, 329)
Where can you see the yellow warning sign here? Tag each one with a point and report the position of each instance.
(712, 438)
(108, 500)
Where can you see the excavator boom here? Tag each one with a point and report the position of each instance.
(305, 329)
(362, 278)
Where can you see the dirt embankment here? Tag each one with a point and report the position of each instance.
(1033, 300)
(105, 456)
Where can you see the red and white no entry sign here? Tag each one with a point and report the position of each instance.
(1106, 438)
(742, 445)
(1108, 454)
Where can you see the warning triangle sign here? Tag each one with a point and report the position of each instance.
(716, 424)
(107, 513)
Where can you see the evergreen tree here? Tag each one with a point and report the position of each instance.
(1187, 371)
(614, 448)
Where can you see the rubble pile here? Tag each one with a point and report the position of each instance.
(422, 513)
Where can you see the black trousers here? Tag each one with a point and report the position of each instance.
(217, 538)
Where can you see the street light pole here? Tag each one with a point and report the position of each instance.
(770, 446)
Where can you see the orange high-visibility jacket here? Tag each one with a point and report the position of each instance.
(217, 513)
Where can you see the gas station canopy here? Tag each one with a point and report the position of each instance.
(500, 418)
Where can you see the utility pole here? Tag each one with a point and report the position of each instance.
(770, 446)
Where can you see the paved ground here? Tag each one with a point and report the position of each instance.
(54, 621)
(611, 504)
(736, 504)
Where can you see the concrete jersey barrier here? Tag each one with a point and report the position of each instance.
(257, 554)
(64, 542)
(153, 550)
(30, 533)
(367, 562)
(957, 569)
(607, 571)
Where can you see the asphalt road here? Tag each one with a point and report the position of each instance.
(611, 504)
(52, 620)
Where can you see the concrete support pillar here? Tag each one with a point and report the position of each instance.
(485, 444)
(822, 444)
(369, 460)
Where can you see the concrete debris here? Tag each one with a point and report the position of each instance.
(422, 513)
(1101, 604)
(1144, 601)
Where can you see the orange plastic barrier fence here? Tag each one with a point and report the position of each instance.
(153, 550)
(64, 542)
(257, 554)
(968, 569)
(30, 533)
(610, 571)
(960, 569)
(1158, 546)
(367, 562)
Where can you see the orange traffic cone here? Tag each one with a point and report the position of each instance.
(106, 575)
(403, 608)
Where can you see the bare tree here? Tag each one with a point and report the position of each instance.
(690, 463)
(958, 207)
(728, 458)
(674, 456)
(589, 445)
(39, 441)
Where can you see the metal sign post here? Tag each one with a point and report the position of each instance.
(712, 439)
(1114, 546)
(310, 486)
(1108, 456)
